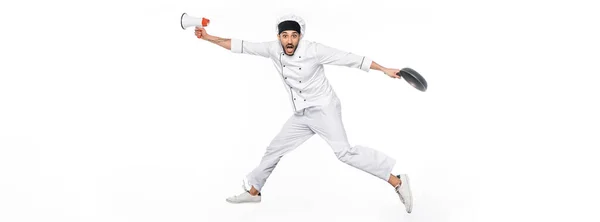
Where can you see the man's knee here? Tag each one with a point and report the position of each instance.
(343, 153)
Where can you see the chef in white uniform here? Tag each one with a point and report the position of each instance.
(316, 107)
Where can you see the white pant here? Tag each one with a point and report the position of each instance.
(327, 122)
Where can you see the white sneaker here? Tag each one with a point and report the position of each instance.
(244, 197)
(404, 192)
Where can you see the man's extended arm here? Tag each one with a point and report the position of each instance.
(223, 42)
(333, 56)
(237, 45)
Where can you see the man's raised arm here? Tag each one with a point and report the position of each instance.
(333, 56)
(236, 45)
(223, 42)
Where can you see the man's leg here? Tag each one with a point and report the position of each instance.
(327, 122)
(293, 133)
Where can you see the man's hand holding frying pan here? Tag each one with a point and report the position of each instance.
(410, 75)
(393, 73)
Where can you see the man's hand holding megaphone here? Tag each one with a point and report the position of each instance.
(201, 33)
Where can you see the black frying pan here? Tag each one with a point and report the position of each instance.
(413, 78)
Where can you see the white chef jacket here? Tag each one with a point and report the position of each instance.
(303, 73)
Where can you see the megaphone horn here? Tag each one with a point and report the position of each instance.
(189, 21)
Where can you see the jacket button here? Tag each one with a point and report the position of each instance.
(300, 81)
(294, 98)
(299, 56)
(285, 77)
(300, 91)
(283, 65)
(304, 99)
(299, 68)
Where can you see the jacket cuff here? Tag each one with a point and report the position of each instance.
(365, 65)
(237, 45)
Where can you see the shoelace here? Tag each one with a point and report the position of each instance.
(243, 187)
(397, 188)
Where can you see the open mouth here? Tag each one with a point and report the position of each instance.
(289, 49)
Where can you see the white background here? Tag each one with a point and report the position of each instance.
(109, 111)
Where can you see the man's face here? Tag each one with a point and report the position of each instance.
(289, 41)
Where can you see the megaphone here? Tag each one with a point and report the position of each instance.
(190, 21)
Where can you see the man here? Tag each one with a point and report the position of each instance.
(317, 109)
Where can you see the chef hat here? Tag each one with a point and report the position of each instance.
(291, 17)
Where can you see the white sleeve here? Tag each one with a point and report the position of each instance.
(333, 56)
(250, 48)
